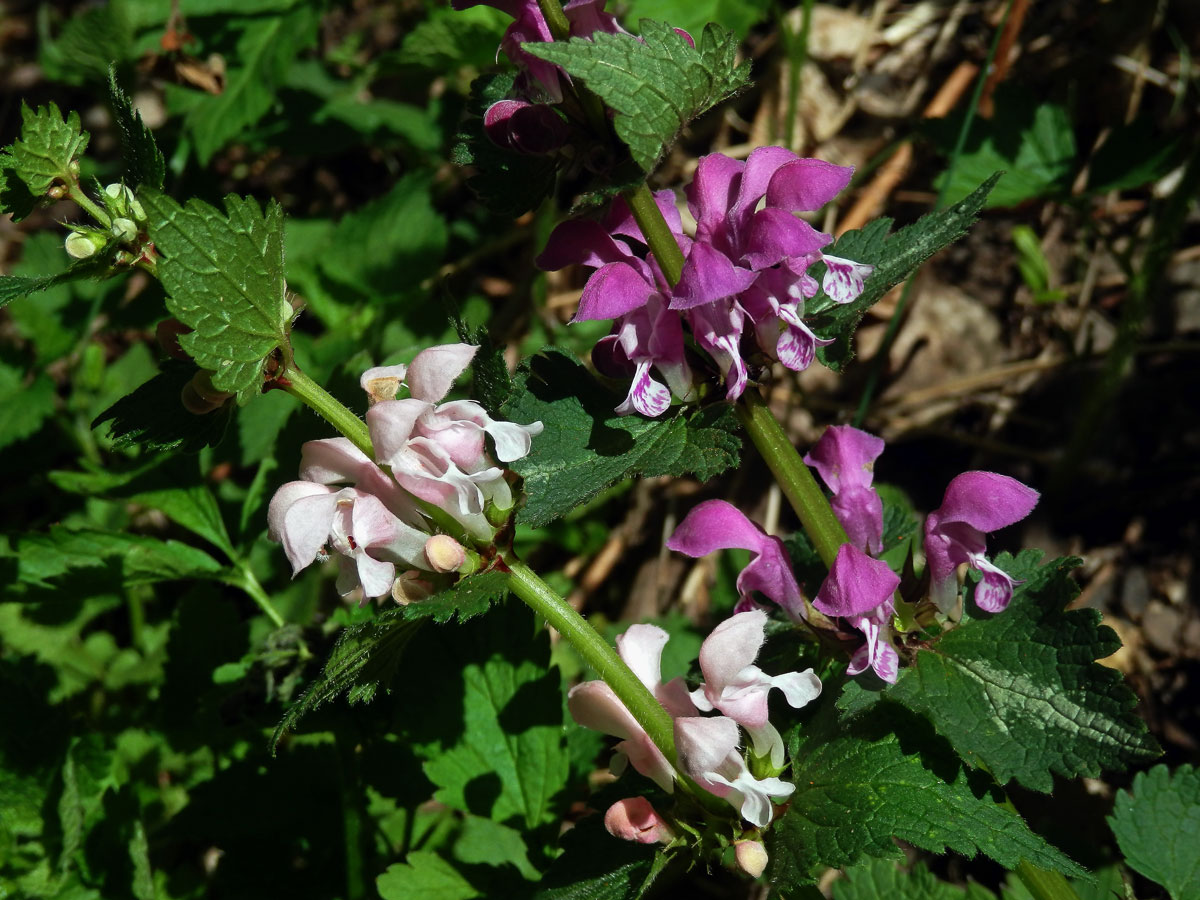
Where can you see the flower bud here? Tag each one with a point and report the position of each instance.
(124, 230)
(444, 553)
(117, 197)
(83, 244)
(199, 397)
(751, 857)
(634, 819)
(410, 587)
(168, 331)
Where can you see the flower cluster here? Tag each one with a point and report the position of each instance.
(707, 745)
(436, 453)
(859, 591)
(746, 273)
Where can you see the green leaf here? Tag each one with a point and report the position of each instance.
(144, 164)
(23, 407)
(596, 866)
(656, 84)
(142, 559)
(367, 655)
(265, 50)
(1032, 143)
(879, 773)
(586, 446)
(424, 876)
(155, 417)
(13, 287)
(485, 842)
(1020, 692)
(876, 878)
(224, 279)
(46, 150)
(449, 39)
(1156, 824)
(1133, 155)
(388, 246)
(736, 15)
(894, 257)
(88, 43)
(194, 508)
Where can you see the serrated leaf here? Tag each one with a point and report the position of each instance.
(894, 257)
(657, 84)
(144, 163)
(265, 49)
(224, 279)
(155, 417)
(596, 866)
(367, 655)
(1020, 692)
(13, 287)
(880, 773)
(424, 876)
(485, 842)
(511, 735)
(876, 878)
(46, 149)
(586, 446)
(1156, 824)
(143, 559)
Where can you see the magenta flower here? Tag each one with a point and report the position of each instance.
(708, 752)
(845, 458)
(745, 272)
(739, 689)
(955, 533)
(717, 525)
(859, 589)
(530, 128)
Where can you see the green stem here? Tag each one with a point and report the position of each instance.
(553, 13)
(76, 193)
(797, 49)
(248, 583)
(1045, 885)
(793, 475)
(597, 653)
(329, 408)
(658, 234)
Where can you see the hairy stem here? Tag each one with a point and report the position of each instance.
(329, 408)
(656, 231)
(76, 193)
(793, 475)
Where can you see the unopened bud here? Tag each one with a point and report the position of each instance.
(410, 587)
(83, 244)
(117, 198)
(168, 331)
(444, 553)
(124, 230)
(199, 397)
(751, 857)
(57, 192)
(634, 819)
(73, 167)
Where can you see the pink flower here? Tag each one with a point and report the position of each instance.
(859, 589)
(717, 525)
(594, 705)
(635, 819)
(739, 689)
(974, 504)
(845, 458)
(438, 452)
(708, 751)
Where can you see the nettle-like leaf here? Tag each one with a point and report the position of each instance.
(144, 163)
(1156, 826)
(13, 287)
(142, 559)
(367, 655)
(876, 772)
(894, 257)
(594, 866)
(223, 274)
(155, 417)
(586, 446)
(509, 760)
(46, 152)
(656, 85)
(877, 878)
(1020, 692)
(424, 876)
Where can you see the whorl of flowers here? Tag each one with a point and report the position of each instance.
(745, 276)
